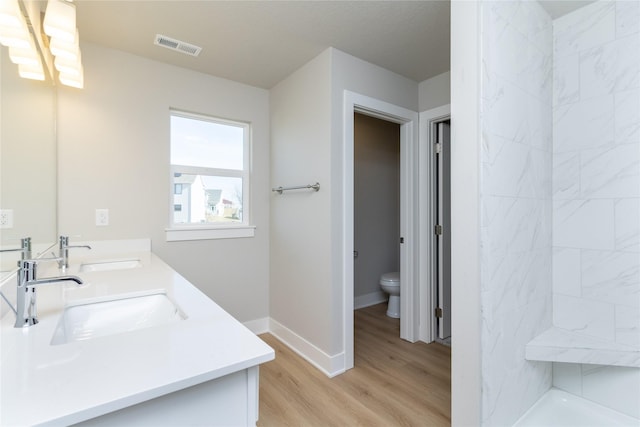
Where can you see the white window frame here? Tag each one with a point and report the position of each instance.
(182, 232)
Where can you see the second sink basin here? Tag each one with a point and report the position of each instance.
(117, 315)
(110, 265)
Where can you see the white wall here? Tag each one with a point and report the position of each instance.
(300, 283)
(376, 205)
(113, 153)
(355, 75)
(596, 173)
(595, 162)
(515, 195)
(465, 215)
(596, 193)
(435, 92)
(306, 229)
(501, 163)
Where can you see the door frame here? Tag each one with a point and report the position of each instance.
(409, 130)
(427, 270)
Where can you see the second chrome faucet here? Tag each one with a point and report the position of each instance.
(64, 247)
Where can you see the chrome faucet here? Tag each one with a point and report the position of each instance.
(64, 251)
(25, 248)
(26, 314)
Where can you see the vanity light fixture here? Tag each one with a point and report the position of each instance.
(9, 14)
(25, 55)
(60, 24)
(17, 33)
(60, 20)
(68, 49)
(29, 71)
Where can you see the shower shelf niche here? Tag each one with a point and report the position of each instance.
(561, 345)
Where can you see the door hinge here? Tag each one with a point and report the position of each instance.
(438, 312)
(438, 148)
(438, 230)
(402, 240)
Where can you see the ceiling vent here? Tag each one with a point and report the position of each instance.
(177, 45)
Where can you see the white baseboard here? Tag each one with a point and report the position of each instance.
(329, 365)
(366, 300)
(258, 326)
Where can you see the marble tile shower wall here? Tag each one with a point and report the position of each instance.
(596, 172)
(516, 200)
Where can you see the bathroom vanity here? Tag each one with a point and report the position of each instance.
(135, 344)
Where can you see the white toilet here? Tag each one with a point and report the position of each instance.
(390, 283)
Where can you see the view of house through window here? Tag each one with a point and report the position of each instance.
(209, 169)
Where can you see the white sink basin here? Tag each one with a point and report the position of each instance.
(110, 265)
(114, 316)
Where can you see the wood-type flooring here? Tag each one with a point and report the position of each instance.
(393, 383)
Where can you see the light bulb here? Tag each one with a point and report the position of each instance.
(60, 20)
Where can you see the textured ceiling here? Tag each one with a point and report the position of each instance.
(261, 42)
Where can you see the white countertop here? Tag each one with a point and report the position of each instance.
(44, 384)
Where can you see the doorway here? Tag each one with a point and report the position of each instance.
(409, 261)
(435, 229)
(376, 206)
(442, 229)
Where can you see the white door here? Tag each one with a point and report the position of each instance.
(443, 228)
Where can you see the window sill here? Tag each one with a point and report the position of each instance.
(178, 234)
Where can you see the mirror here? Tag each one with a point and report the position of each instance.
(28, 163)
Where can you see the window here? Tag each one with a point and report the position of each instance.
(209, 176)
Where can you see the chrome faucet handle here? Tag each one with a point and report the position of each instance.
(25, 243)
(25, 248)
(64, 244)
(12, 250)
(27, 269)
(64, 241)
(39, 260)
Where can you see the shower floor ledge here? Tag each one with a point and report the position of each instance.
(561, 345)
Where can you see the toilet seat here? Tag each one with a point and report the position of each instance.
(390, 279)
